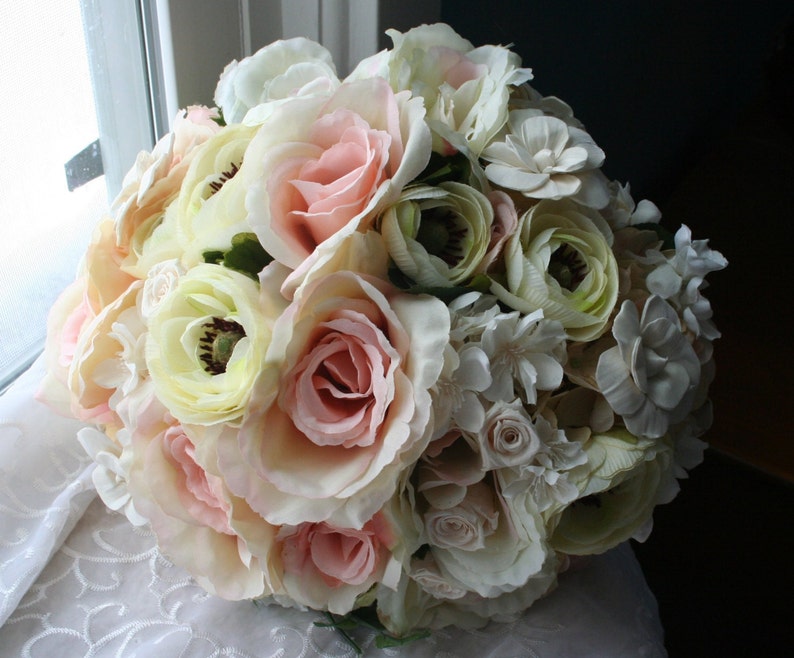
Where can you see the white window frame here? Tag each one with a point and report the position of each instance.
(154, 57)
(197, 38)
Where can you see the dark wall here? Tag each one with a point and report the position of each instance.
(654, 82)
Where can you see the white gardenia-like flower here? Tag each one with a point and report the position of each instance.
(544, 158)
(651, 376)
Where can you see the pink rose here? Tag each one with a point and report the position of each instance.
(343, 404)
(68, 315)
(329, 567)
(324, 167)
(199, 524)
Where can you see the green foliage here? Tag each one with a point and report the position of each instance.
(367, 617)
(246, 255)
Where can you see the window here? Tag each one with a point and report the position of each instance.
(93, 82)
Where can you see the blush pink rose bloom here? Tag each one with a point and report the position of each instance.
(344, 404)
(329, 567)
(70, 312)
(322, 167)
(199, 524)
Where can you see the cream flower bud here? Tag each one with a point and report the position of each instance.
(439, 236)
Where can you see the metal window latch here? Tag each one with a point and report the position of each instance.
(84, 167)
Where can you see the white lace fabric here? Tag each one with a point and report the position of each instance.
(79, 580)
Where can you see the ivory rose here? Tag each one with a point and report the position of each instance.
(320, 168)
(465, 89)
(66, 318)
(343, 404)
(284, 68)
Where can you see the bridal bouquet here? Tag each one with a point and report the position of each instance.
(392, 342)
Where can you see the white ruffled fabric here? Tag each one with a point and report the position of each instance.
(79, 580)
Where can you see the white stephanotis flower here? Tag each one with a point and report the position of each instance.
(281, 69)
(528, 350)
(544, 158)
(622, 210)
(112, 470)
(679, 277)
(650, 378)
(466, 373)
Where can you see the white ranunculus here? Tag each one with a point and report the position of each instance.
(438, 236)
(281, 69)
(560, 260)
(208, 211)
(624, 479)
(544, 158)
(651, 376)
(207, 345)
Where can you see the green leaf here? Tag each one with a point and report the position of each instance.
(246, 255)
(384, 641)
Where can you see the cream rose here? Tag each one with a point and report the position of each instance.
(344, 404)
(93, 373)
(560, 260)
(465, 89)
(321, 168)
(207, 344)
(289, 67)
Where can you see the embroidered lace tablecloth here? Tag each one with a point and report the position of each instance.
(79, 580)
